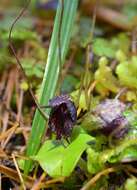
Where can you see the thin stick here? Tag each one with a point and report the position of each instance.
(12, 174)
(45, 116)
(52, 181)
(85, 83)
(0, 182)
(19, 173)
(89, 48)
(91, 87)
(37, 185)
(121, 92)
(10, 131)
(10, 135)
(96, 177)
(131, 169)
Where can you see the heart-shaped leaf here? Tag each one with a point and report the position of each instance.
(59, 161)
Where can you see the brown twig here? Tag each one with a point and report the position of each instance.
(3, 84)
(131, 168)
(93, 180)
(19, 173)
(108, 15)
(45, 116)
(8, 132)
(12, 174)
(20, 104)
(12, 131)
(7, 99)
(52, 181)
(37, 185)
(0, 182)
(2, 154)
(134, 41)
(19, 99)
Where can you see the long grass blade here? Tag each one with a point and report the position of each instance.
(51, 74)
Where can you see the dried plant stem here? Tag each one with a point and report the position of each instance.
(45, 116)
(8, 132)
(96, 178)
(19, 173)
(37, 185)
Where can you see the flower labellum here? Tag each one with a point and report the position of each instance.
(62, 117)
(111, 115)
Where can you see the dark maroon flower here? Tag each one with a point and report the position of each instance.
(110, 112)
(118, 126)
(63, 116)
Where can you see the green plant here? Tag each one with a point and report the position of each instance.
(51, 75)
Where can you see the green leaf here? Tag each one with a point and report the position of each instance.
(122, 42)
(93, 163)
(103, 47)
(120, 151)
(126, 71)
(131, 116)
(59, 161)
(32, 68)
(82, 99)
(20, 34)
(9, 17)
(69, 83)
(131, 183)
(73, 153)
(50, 157)
(108, 48)
(130, 10)
(129, 154)
(106, 81)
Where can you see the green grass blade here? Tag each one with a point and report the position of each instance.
(51, 74)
